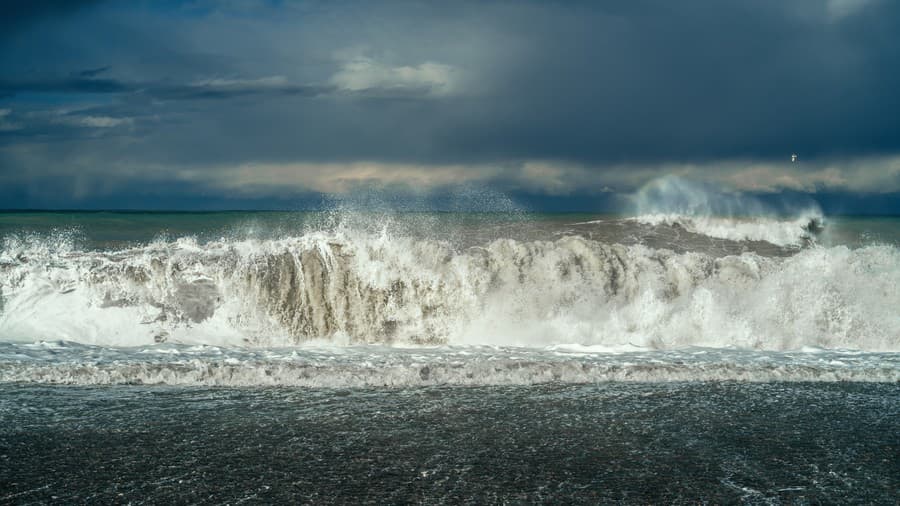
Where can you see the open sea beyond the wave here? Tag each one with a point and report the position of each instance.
(390, 357)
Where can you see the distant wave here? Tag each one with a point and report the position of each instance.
(798, 230)
(713, 211)
(350, 287)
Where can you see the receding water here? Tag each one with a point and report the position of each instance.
(635, 443)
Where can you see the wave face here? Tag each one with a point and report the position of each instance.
(354, 287)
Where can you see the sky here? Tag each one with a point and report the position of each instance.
(264, 104)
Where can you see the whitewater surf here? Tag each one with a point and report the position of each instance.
(433, 299)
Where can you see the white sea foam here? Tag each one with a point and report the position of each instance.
(374, 366)
(345, 287)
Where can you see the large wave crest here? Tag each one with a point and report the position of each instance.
(348, 286)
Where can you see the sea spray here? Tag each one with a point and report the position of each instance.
(710, 210)
(352, 286)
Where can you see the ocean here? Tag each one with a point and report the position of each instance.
(389, 357)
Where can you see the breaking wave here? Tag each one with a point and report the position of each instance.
(716, 212)
(795, 231)
(349, 287)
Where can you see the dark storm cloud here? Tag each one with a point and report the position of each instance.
(212, 91)
(90, 73)
(695, 80)
(208, 90)
(614, 81)
(599, 92)
(20, 14)
(66, 85)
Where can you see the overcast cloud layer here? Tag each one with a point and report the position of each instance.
(265, 103)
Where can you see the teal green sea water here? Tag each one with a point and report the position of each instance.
(105, 229)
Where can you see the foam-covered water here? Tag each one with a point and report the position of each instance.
(380, 366)
(349, 286)
(605, 443)
(498, 288)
